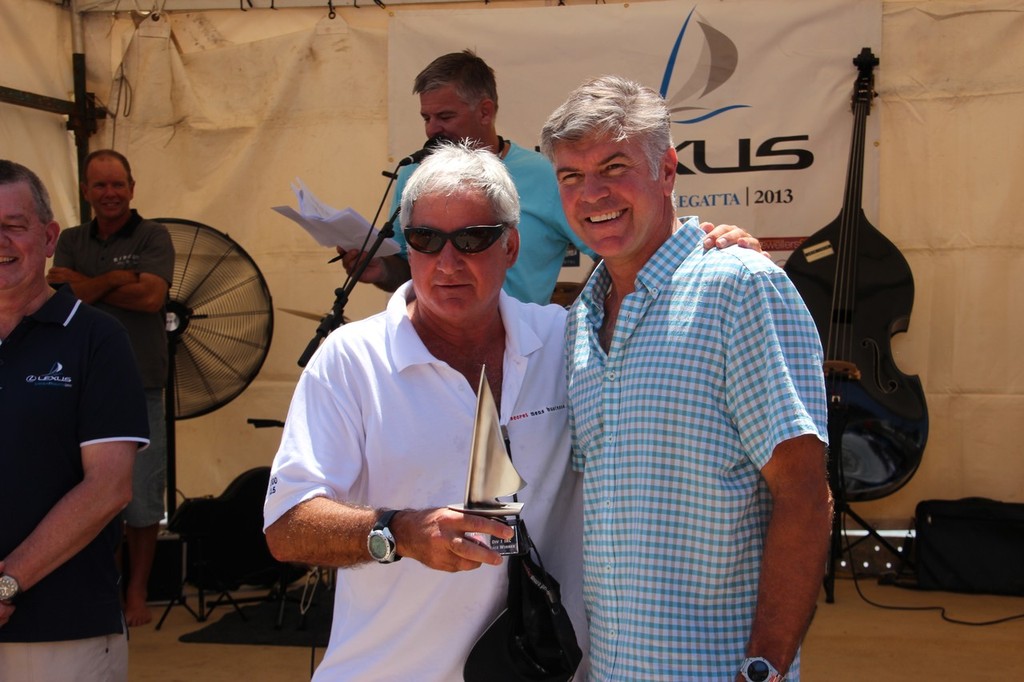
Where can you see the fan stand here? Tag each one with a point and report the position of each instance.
(178, 317)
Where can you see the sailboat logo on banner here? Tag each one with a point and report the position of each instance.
(712, 57)
(491, 472)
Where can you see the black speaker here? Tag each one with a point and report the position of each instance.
(168, 568)
(970, 545)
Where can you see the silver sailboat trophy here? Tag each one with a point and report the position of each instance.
(491, 472)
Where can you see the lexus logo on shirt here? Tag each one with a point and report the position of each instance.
(51, 378)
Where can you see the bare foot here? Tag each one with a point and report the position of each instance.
(136, 612)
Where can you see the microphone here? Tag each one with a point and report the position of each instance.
(418, 156)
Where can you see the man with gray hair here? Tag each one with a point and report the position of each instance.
(378, 437)
(698, 416)
(74, 415)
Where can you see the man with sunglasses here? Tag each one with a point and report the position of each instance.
(377, 440)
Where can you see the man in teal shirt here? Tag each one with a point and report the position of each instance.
(459, 100)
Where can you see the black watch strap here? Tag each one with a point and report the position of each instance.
(385, 519)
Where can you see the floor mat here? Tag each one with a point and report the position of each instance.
(260, 623)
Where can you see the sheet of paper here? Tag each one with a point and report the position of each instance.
(332, 227)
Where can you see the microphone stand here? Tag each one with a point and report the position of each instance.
(336, 317)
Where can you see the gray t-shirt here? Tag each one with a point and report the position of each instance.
(141, 246)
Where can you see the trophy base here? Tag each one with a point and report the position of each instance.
(507, 514)
(491, 510)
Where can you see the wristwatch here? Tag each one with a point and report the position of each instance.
(9, 588)
(381, 542)
(759, 669)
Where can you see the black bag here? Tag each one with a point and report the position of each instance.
(533, 638)
(970, 545)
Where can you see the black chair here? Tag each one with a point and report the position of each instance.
(225, 548)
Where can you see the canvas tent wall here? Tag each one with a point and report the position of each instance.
(219, 111)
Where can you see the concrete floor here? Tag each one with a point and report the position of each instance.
(849, 641)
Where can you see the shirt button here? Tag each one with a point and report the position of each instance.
(611, 375)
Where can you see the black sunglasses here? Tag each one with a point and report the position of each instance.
(472, 239)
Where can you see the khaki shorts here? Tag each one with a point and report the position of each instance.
(97, 659)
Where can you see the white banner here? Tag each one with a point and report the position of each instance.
(760, 92)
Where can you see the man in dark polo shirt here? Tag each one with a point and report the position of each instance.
(123, 265)
(72, 415)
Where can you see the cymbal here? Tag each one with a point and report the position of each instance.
(303, 314)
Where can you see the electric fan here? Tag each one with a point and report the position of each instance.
(219, 324)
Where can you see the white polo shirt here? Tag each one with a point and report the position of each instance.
(377, 420)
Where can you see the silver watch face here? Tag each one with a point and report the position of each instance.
(378, 545)
(758, 669)
(8, 587)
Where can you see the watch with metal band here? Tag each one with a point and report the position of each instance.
(381, 542)
(759, 669)
(9, 588)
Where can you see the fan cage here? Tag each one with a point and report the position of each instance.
(227, 319)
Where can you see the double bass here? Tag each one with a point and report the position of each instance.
(860, 290)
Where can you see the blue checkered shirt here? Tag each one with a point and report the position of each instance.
(714, 362)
